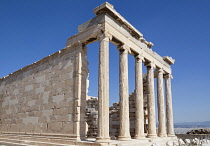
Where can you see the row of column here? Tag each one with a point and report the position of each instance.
(103, 96)
(162, 130)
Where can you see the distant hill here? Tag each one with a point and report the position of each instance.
(192, 124)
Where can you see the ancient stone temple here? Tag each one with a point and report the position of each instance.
(45, 103)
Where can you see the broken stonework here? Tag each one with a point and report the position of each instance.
(92, 117)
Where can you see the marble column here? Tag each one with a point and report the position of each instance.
(103, 88)
(139, 100)
(151, 101)
(161, 107)
(124, 133)
(169, 109)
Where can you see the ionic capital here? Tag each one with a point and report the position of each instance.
(106, 36)
(139, 57)
(166, 76)
(150, 64)
(160, 70)
(124, 48)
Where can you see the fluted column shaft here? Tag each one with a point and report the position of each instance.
(151, 102)
(124, 133)
(169, 109)
(160, 98)
(139, 100)
(103, 88)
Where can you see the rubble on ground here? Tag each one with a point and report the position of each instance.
(199, 131)
(193, 142)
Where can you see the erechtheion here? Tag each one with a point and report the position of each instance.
(44, 103)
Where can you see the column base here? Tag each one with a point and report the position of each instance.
(102, 140)
(162, 135)
(171, 135)
(124, 138)
(151, 135)
(139, 137)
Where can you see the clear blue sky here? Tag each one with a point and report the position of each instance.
(31, 30)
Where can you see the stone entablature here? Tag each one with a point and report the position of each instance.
(122, 31)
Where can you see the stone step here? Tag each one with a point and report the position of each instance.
(9, 141)
(13, 140)
(31, 140)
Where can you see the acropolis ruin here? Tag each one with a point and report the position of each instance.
(45, 103)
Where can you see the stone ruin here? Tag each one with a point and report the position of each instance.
(45, 103)
(114, 120)
(92, 116)
(199, 131)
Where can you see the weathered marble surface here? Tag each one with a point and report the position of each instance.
(151, 102)
(161, 107)
(124, 133)
(139, 100)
